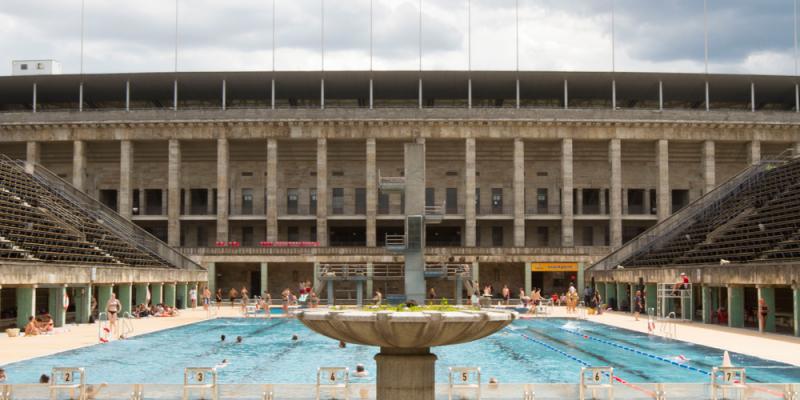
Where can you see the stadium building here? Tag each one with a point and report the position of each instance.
(268, 179)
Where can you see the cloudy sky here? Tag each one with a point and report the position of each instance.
(745, 36)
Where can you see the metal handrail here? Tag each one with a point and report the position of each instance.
(108, 218)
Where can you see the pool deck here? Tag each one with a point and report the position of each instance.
(783, 348)
(22, 348)
(776, 347)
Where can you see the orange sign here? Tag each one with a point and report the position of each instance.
(554, 267)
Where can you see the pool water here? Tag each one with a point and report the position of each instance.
(528, 351)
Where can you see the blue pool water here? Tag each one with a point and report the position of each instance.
(528, 351)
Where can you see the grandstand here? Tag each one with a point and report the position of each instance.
(738, 243)
(55, 238)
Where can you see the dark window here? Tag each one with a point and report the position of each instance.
(293, 234)
(591, 201)
(636, 201)
(430, 197)
(402, 203)
(477, 201)
(541, 200)
(247, 236)
(313, 233)
(109, 198)
(607, 201)
(198, 200)
(383, 203)
(543, 235)
(338, 201)
(653, 202)
(588, 236)
(497, 236)
(247, 202)
(312, 202)
(135, 206)
(680, 199)
(497, 200)
(153, 201)
(361, 201)
(201, 236)
(183, 203)
(292, 197)
(451, 200)
(214, 200)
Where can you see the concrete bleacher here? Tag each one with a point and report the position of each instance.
(760, 222)
(38, 225)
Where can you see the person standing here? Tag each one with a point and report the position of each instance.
(637, 305)
(763, 313)
(113, 306)
(193, 297)
(206, 298)
(219, 298)
(232, 294)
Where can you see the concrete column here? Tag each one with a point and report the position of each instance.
(26, 305)
(615, 193)
(264, 278)
(663, 192)
(174, 194)
(157, 293)
(651, 297)
(476, 276)
(580, 281)
(182, 296)
(370, 282)
(708, 309)
(768, 294)
(796, 309)
(735, 306)
(372, 193)
(223, 160)
(272, 190)
(79, 164)
(359, 293)
(709, 166)
(578, 200)
(567, 230)
(125, 171)
(57, 310)
(754, 152)
(624, 195)
(331, 299)
(169, 294)
(526, 271)
(212, 277)
(141, 293)
(125, 296)
(83, 304)
(103, 294)
(210, 202)
(33, 152)
(469, 194)
(519, 193)
(322, 191)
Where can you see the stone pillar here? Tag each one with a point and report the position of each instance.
(768, 294)
(103, 294)
(141, 293)
(476, 277)
(57, 310)
(709, 165)
(322, 191)
(264, 279)
(370, 282)
(125, 296)
(526, 271)
(580, 281)
(26, 305)
(223, 160)
(567, 231)
(469, 194)
(169, 294)
(157, 293)
(754, 152)
(796, 309)
(125, 171)
(615, 193)
(663, 192)
(519, 193)
(182, 296)
(272, 190)
(405, 374)
(372, 193)
(735, 306)
(174, 194)
(360, 293)
(578, 200)
(33, 152)
(212, 277)
(79, 165)
(331, 299)
(708, 308)
(83, 304)
(651, 297)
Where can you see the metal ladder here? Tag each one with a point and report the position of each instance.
(126, 324)
(102, 325)
(668, 328)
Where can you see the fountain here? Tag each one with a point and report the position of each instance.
(405, 363)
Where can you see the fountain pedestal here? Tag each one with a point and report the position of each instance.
(406, 367)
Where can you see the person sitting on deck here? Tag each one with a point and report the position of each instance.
(32, 328)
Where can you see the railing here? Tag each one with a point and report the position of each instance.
(577, 251)
(668, 327)
(328, 272)
(126, 324)
(449, 270)
(395, 242)
(126, 230)
(435, 213)
(391, 183)
(688, 215)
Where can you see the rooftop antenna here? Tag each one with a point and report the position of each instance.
(83, 8)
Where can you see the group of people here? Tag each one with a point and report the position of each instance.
(42, 324)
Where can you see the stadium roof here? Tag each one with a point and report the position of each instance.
(439, 88)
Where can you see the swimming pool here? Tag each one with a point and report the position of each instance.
(528, 351)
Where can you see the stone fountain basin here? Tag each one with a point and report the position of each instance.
(405, 330)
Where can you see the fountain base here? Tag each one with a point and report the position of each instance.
(405, 374)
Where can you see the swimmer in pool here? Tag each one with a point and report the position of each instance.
(239, 339)
(361, 372)
(295, 337)
(222, 365)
